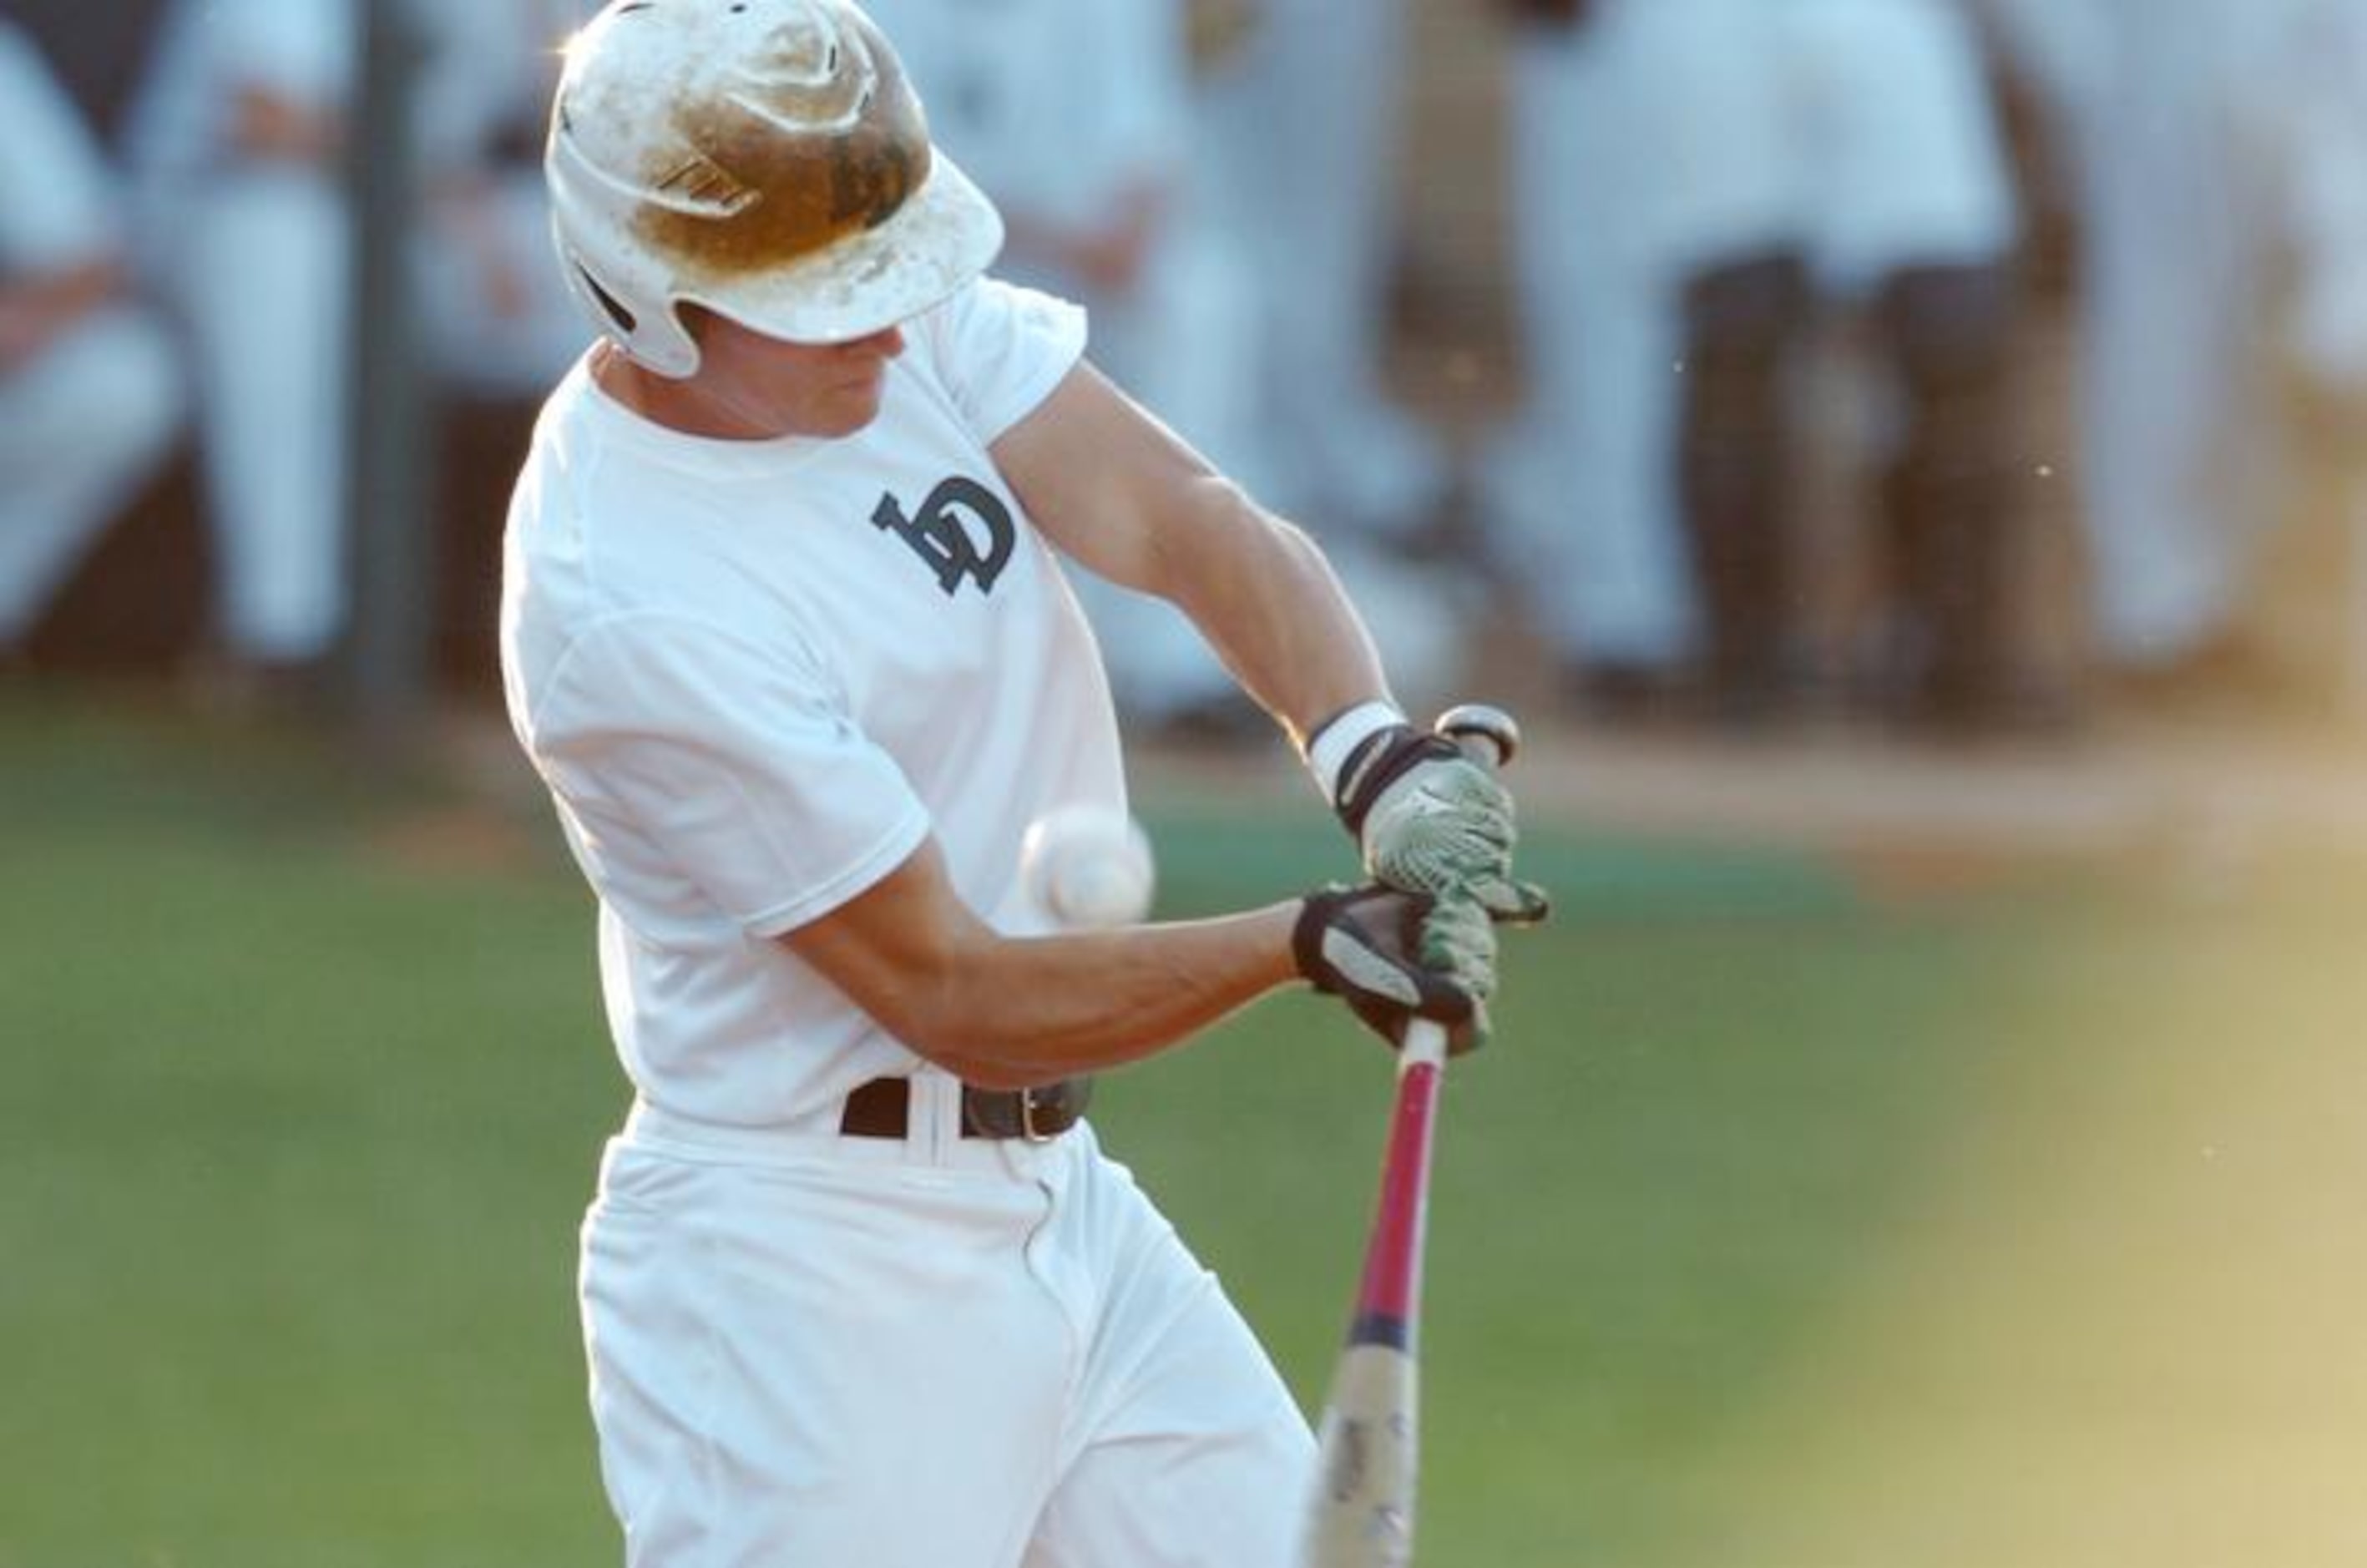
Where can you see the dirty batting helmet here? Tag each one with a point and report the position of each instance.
(765, 159)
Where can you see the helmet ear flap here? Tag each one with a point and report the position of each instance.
(609, 305)
(644, 322)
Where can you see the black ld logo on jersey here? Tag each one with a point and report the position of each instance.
(964, 532)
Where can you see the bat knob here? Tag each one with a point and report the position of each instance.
(1487, 735)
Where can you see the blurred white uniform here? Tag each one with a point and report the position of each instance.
(2213, 143)
(84, 417)
(252, 251)
(1668, 137)
(1582, 485)
(1064, 112)
(499, 319)
(1307, 131)
(1297, 159)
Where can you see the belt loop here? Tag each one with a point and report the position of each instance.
(937, 1103)
(1027, 1129)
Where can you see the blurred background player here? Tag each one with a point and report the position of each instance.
(1739, 165)
(2192, 129)
(1305, 133)
(239, 139)
(2222, 225)
(1309, 129)
(497, 325)
(89, 392)
(237, 144)
(1579, 487)
(502, 327)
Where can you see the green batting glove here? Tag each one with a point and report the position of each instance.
(1458, 940)
(1431, 820)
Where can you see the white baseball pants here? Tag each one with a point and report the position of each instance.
(934, 1353)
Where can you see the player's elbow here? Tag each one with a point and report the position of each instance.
(972, 1046)
(991, 1073)
(984, 1033)
(950, 1013)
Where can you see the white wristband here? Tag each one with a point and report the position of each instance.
(1329, 749)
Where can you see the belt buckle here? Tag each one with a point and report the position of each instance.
(1027, 1127)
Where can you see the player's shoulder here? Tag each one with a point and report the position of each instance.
(549, 507)
(996, 349)
(569, 559)
(990, 307)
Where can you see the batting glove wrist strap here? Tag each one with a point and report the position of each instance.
(1340, 736)
(1384, 756)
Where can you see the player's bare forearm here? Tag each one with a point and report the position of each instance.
(1260, 591)
(1133, 502)
(1005, 1012)
(1045, 1007)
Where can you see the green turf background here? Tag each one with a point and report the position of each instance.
(1787, 1223)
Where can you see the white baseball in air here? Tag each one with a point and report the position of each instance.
(1088, 866)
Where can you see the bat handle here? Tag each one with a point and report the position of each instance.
(1425, 1046)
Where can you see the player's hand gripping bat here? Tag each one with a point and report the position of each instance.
(1363, 1505)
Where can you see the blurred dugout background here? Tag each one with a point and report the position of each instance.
(1897, 456)
(1958, 368)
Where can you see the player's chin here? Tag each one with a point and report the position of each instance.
(851, 409)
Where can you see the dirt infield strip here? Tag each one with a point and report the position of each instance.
(2185, 795)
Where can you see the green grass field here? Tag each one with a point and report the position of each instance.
(1789, 1224)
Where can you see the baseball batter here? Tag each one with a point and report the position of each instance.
(786, 632)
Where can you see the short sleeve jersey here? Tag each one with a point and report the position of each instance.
(757, 675)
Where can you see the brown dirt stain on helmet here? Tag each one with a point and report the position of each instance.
(753, 189)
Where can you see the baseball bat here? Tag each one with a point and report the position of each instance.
(1363, 1512)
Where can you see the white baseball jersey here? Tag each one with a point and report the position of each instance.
(756, 673)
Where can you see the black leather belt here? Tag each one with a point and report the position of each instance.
(882, 1109)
